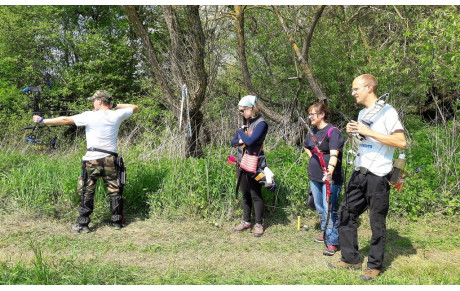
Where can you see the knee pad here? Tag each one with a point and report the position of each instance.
(86, 205)
(116, 204)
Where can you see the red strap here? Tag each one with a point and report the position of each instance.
(323, 163)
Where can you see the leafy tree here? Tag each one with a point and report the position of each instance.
(184, 62)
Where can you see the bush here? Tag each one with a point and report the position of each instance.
(160, 182)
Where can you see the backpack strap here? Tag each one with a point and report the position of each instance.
(330, 131)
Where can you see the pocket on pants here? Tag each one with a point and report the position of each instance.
(381, 202)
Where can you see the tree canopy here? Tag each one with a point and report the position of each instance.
(289, 56)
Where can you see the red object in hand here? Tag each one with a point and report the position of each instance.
(231, 160)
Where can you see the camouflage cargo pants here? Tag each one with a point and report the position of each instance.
(104, 168)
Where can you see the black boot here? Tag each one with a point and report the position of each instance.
(85, 209)
(116, 207)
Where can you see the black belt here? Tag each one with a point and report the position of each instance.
(364, 170)
(91, 149)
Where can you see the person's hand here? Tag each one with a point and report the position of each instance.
(352, 127)
(37, 118)
(363, 130)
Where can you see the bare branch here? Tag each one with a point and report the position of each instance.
(314, 86)
(151, 56)
(239, 13)
(309, 32)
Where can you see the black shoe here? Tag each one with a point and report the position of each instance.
(77, 228)
(117, 226)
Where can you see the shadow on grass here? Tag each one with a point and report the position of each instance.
(275, 216)
(395, 247)
(142, 182)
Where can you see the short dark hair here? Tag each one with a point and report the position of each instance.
(321, 108)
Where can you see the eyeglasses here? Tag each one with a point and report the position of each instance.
(353, 90)
(242, 110)
(313, 114)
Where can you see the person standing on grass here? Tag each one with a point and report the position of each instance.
(330, 143)
(368, 186)
(101, 159)
(249, 139)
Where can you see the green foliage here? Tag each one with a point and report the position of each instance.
(435, 189)
(290, 168)
(410, 49)
(27, 41)
(204, 187)
(196, 187)
(11, 105)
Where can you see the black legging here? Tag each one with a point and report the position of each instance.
(252, 190)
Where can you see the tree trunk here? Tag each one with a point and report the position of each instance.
(151, 56)
(270, 114)
(200, 81)
(186, 44)
(314, 86)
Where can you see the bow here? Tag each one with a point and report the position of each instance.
(37, 141)
(239, 172)
(36, 104)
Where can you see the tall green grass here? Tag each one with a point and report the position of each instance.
(162, 182)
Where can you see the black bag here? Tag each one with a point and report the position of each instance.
(311, 201)
(121, 171)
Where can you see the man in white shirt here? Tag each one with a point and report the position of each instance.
(101, 160)
(368, 186)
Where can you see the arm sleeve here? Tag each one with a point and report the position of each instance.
(306, 143)
(260, 130)
(235, 140)
(336, 141)
(125, 112)
(392, 122)
(80, 119)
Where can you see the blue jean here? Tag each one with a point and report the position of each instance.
(318, 190)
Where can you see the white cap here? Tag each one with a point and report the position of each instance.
(248, 101)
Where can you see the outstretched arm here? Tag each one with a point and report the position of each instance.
(121, 106)
(62, 120)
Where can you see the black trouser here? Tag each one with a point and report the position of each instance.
(364, 191)
(252, 190)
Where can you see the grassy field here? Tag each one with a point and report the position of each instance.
(168, 251)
